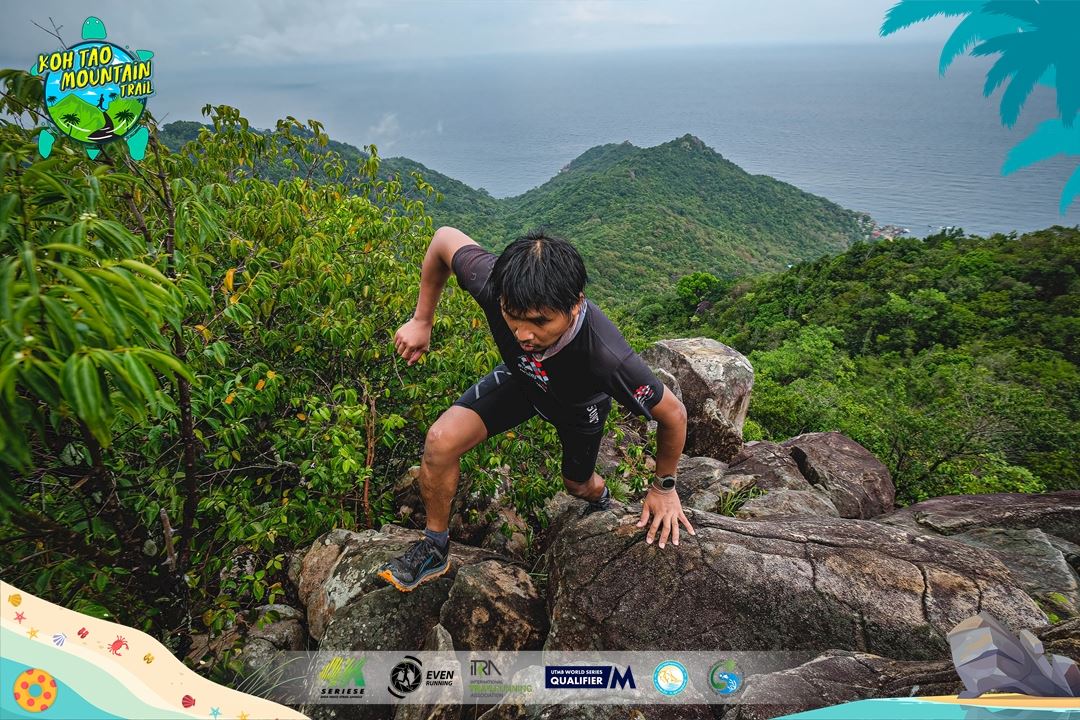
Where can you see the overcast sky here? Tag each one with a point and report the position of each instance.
(275, 32)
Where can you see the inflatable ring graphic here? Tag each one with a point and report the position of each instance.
(35, 690)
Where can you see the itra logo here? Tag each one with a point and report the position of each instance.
(95, 92)
(344, 678)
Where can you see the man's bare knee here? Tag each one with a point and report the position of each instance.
(457, 431)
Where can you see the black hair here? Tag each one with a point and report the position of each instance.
(539, 271)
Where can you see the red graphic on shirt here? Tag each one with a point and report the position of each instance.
(643, 393)
(533, 368)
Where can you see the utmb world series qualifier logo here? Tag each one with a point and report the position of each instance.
(95, 92)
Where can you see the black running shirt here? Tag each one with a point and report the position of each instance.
(597, 362)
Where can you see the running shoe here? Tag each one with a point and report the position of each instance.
(423, 561)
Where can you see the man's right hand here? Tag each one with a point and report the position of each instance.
(413, 339)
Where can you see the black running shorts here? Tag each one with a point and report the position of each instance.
(500, 402)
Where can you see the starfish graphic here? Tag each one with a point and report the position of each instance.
(215, 712)
(243, 715)
(19, 617)
(32, 632)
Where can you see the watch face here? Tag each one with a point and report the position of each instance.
(667, 483)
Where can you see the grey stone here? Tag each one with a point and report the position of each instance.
(787, 503)
(1056, 513)
(438, 640)
(715, 381)
(821, 582)
(1035, 563)
(493, 606)
(858, 484)
(840, 676)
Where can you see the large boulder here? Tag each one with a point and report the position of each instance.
(438, 640)
(347, 604)
(493, 606)
(858, 484)
(1056, 513)
(813, 475)
(1034, 535)
(715, 381)
(797, 584)
(841, 676)
(1035, 563)
(766, 465)
(277, 629)
(787, 503)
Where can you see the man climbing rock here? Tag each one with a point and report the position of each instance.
(563, 359)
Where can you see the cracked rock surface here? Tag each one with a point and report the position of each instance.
(794, 584)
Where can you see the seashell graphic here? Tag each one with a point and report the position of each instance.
(148, 658)
(15, 599)
(58, 639)
(187, 701)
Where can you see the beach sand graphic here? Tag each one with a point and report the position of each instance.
(104, 670)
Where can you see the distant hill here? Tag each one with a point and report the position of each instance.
(643, 217)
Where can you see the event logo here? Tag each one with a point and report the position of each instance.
(343, 678)
(409, 674)
(406, 677)
(670, 677)
(724, 678)
(95, 92)
(485, 681)
(589, 677)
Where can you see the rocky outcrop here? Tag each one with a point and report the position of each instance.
(858, 484)
(820, 583)
(813, 475)
(715, 382)
(438, 640)
(1033, 535)
(1035, 563)
(494, 606)
(787, 503)
(347, 604)
(841, 676)
(1056, 513)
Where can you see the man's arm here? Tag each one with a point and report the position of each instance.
(414, 337)
(665, 508)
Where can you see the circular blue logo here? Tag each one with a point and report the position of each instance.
(670, 677)
(724, 678)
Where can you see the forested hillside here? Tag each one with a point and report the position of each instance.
(954, 358)
(641, 217)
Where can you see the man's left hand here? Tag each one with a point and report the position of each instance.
(666, 512)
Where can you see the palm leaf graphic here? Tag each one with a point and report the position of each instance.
(1027, 55)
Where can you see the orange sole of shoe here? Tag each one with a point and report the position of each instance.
(388, 577)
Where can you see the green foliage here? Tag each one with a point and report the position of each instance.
(197, 369)
(641, 217)
(953, 359)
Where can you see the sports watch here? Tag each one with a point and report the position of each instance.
(664, 484)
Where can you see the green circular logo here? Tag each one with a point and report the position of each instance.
(95, 92)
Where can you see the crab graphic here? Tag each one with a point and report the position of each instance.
(94, 29)
(118, 643)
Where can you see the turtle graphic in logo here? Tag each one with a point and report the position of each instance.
(95, 92)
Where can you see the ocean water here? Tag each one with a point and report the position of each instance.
(872, 127)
